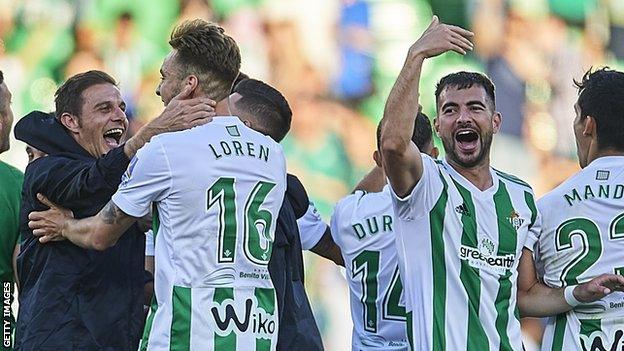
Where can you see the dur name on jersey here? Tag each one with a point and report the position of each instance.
(372, 225)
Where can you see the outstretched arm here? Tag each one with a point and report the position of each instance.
(401, 158)
(535, 299)
(98, 232)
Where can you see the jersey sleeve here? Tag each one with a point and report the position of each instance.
(535, 227)
(149, 243)
(147, 180)
(311, 227)
(334, 224)
(423, 196)
(342, 210)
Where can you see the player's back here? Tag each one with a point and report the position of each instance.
(582, 237)
(362, 225)
(215, 236)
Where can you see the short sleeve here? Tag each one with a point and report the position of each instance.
(535, 228)
(149, 243)
(424, 194)
(147, 180)
(311, 227)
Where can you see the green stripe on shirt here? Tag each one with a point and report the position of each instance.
(476, 338)
(181, 319)
(507, 242)
(436, 222)
(227, 342)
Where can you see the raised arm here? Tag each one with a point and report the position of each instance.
(98, 232)
(401, 158)
(535, 299)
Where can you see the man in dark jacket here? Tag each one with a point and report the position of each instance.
(71, 298)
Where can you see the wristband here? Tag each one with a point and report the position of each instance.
(568, 294)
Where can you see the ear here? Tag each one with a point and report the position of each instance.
(436, 125)
(589, 126)
(377, 158)
(193, 84)
(497, 120)
(248, 123)
(70, 122)
(435, 152)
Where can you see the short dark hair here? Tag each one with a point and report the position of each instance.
(1, 77)
(267, 104)
(601, 95)
(465, 80)
(239, 78)
(421, 135)
(68, 97)
(203, 49)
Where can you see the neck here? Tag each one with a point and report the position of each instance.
(605, 153)
(478, 175)
(221, 109)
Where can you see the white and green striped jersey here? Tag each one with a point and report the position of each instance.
(362, 226)
(582, 237)
(217, 191)
(459, 249)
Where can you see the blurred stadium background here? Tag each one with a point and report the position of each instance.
(335, 61)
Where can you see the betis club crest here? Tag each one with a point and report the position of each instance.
(515, 220)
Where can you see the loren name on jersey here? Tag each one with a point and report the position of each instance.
(236, 148)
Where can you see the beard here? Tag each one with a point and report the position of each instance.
(485, 142)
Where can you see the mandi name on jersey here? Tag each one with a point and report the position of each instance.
(605, 191)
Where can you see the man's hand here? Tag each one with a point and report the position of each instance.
(48, 225)
(439, 38)
(182, 112)
(599, 287)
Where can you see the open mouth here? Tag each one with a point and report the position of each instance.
(467, 139)
(113, 137)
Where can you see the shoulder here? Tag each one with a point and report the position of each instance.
(350, 200)
(52, 168)
(362, 200)
(559, 192)
(433, 167)
(513, 182)
(10, 172)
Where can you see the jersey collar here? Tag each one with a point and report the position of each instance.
(468, 185)
(606, 161)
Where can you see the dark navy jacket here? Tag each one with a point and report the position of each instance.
(297, 328)
(71, 298)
